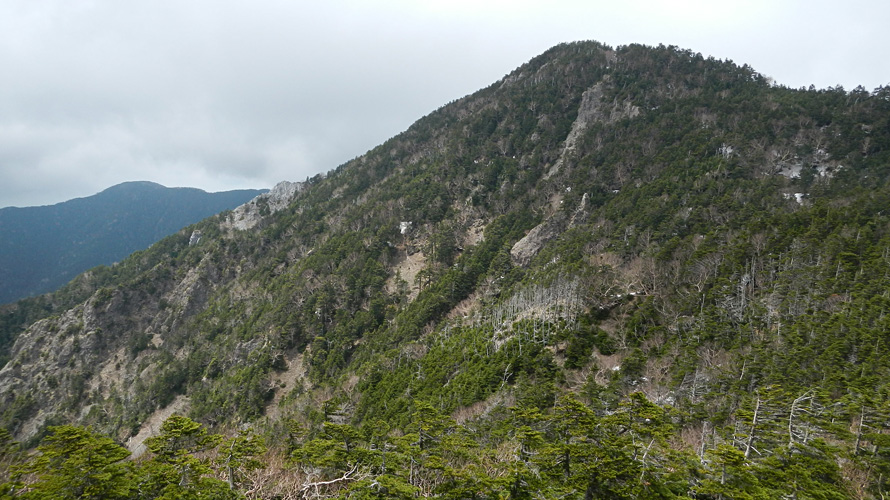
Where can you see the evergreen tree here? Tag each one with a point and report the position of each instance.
(73, 462)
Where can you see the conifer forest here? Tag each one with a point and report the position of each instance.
(617, 272)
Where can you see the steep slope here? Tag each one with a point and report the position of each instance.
(669, 238)
(43, 248)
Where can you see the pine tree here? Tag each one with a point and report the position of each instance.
(73, 462)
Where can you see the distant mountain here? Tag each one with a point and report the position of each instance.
(41, 248)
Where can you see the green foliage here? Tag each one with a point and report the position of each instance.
(10, 458)
(46, 246)
(175, 470)
(75, 463)
(683, 325)
(239, 455)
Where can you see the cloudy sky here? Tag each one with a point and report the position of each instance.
(221, 94)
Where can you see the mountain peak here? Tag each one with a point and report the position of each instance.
(45, 247)
(634, 258)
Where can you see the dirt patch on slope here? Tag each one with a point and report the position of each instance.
(285, 382)
(406, 268)
(152, 426)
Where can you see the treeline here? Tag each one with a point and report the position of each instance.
(702, 313)
(185, 461)
(775, 445)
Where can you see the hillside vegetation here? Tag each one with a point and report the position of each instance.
(42, 248)
(615, 273)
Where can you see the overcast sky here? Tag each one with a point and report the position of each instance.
(221, 95)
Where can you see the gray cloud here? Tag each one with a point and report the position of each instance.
(228, 94)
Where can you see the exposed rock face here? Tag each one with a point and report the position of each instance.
(529, 246)
(282, 194)
(66, 367)
(195, 238)
(251, 213)
(593, 109)
(69, 348)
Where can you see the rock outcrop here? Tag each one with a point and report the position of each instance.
(251, 213)
(525, 249)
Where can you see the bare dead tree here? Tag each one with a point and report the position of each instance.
(328, 489)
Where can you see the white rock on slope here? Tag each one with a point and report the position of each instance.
(249, 215)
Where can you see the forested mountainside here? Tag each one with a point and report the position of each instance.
(42, 248)
(615, 273)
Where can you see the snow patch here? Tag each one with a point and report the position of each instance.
(791, 171)
(798, 197)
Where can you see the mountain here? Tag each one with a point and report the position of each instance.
(627, 272)
(44, 247)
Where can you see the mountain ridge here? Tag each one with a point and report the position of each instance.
(637, 272)
(45, 247)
